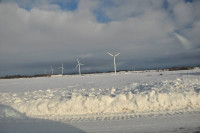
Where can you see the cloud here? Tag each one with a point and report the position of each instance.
(47, 34)
(121, 10)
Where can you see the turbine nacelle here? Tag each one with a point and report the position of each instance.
(113, 55)
(114, 60)
(52, 70)
(79, 65)
(62, 68)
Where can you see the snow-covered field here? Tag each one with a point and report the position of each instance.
(167, 101)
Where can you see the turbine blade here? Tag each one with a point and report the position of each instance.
(81, 64)
(78, 60)
(110, 54)
(117, 54)
(76, 66)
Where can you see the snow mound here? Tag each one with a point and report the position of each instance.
(167, 95)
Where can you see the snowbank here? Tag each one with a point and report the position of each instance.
(168, 95)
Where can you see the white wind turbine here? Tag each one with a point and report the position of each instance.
(114, 60)
(62, 69)
(79, 66)
(52, 70)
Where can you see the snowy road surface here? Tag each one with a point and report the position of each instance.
(179, 123)
(127, 102)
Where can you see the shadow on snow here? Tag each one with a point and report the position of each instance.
(12, 121)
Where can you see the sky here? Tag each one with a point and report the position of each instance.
(38, 34)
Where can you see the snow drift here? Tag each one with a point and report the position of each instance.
(168, 95)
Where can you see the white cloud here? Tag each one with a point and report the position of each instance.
(184, 13)
(43, 34)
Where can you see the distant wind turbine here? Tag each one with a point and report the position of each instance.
(114, 59)
(62, 69)
(79, 65)
(52, 70)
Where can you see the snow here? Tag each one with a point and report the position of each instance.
(96, 99)
(179, 123)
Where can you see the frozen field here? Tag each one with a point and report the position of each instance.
(127, 102)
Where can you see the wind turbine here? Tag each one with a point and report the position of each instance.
(52, 70)
(79, 66)
(62, 69)
(114, 59)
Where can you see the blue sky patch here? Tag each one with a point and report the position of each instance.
(99, 12)
(67, 4)
(29, 4)
(101, 16)
(165, 4)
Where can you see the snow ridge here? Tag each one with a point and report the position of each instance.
(168, 95)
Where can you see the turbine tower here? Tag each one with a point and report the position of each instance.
(62, 69)
(114, 60)
(79, 66)
(52, 70)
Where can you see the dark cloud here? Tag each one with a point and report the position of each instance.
(146, 33)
